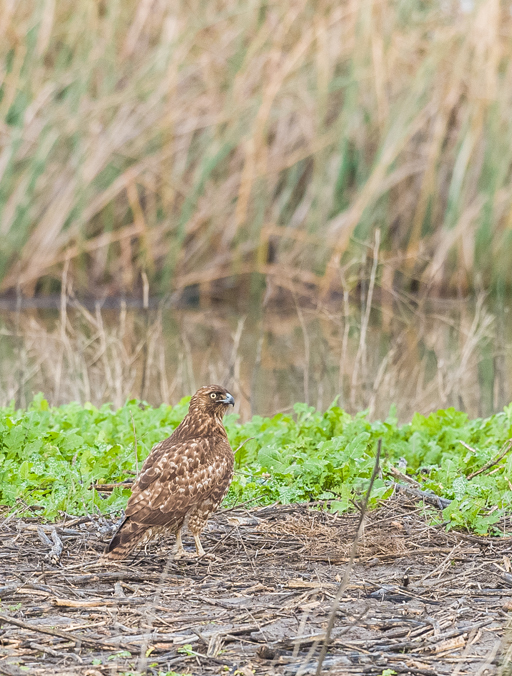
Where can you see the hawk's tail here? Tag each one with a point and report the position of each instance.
(128, 537)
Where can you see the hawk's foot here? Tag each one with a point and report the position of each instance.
(198, 554)
(209, 556)
(182, 554)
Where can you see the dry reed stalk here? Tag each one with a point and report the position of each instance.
(361, 352)
(420, 364)
(307, 355)
(348, 569)
(186, 145)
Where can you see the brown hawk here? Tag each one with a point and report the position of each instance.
(183, 480)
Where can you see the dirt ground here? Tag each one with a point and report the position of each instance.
(420, 600)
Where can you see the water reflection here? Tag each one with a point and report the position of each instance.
(449, 353)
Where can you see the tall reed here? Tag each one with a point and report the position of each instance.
(197, 141)
(448, 355)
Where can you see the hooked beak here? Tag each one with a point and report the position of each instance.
(228, 400)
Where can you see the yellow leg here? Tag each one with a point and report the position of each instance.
(180, 552)
(199, 546)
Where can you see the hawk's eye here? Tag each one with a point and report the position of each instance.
(213, 395)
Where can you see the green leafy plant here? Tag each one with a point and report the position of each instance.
(51, 457)
(14, 608)
(123, 653)
(187, 650)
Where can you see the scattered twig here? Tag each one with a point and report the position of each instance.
(56, 547)
(470, 448)
(443, 563)
(11, 670)
(42, 647)
(243, 444)
(55, 632)
(268, 579)
(43, 537)
(429, 642)
(430, 498)
(348, 569)
(503, 452)
(107, 488)
(400, 475)
(56, 551)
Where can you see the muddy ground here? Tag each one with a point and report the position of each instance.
(420, 600)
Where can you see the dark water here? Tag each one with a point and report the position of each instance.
(446, 353)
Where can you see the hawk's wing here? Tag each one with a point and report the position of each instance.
(175, 478)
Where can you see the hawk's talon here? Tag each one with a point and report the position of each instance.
(182, 554)
(209, 556)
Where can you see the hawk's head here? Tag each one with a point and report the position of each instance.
(213, 400)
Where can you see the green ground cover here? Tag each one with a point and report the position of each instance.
(50, 457)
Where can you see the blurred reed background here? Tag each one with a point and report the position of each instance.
(448, 354)
(316, 178)
(236, 140)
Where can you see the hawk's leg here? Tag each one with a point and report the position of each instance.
(200, 550)
(199, 546)
(181, 553)
(197, 520)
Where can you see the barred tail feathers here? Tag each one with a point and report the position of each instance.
(128, 537)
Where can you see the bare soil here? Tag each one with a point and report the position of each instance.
(420, 600)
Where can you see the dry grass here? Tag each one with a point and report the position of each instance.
(452, 354)
(199, 141)
(434, 604)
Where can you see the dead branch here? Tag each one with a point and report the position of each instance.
(503, 452)
(400, 475)
(430, 498)
(56, 632)
(348, 569)
(56, 551)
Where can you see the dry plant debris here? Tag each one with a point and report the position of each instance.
(420, 600)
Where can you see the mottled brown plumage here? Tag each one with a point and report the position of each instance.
(183, 480)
